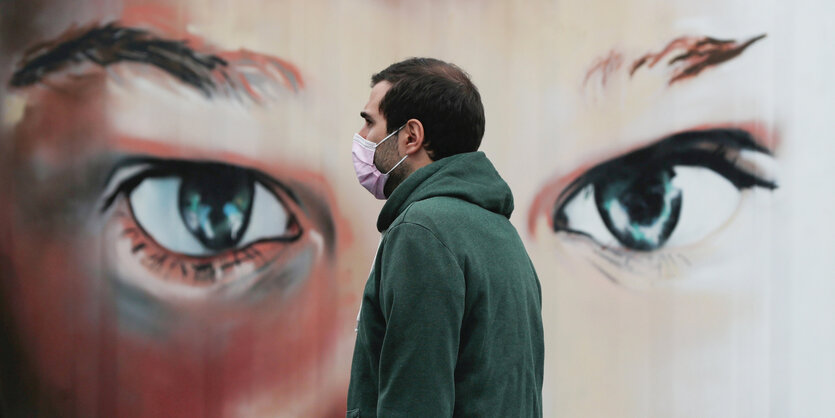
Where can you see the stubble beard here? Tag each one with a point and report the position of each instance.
(386, 158)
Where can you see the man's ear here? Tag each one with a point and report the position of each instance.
(414, 136)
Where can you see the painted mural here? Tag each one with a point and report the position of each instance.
(182, 234)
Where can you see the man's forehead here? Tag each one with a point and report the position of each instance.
(378, 91)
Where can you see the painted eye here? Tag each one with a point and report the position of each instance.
(204, 210)
(647, 210)
(672, 193)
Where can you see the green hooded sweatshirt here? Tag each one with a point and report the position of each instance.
(450, 322)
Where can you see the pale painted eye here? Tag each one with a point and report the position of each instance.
(672, 193)
(670, 207)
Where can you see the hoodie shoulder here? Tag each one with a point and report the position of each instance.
(442, 214)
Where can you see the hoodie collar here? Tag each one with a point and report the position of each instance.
(470, 177)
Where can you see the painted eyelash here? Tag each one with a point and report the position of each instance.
(716, 149)
(722, 165)
(632, 262)
(201, 270)
(148, 167)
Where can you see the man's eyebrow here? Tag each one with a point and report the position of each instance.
(113, 43)
(366, 116)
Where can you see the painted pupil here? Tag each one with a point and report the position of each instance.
(215, 205)
(641, 210)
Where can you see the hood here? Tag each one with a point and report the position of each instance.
(470, 177)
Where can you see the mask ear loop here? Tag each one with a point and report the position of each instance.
(390, 135)
(402, 159)
(398, 163)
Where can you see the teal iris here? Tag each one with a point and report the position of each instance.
(640, 209)
(215, 205)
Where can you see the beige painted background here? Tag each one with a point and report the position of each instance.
(744, 328)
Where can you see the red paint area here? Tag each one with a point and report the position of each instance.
(197, 357)
(605, 67)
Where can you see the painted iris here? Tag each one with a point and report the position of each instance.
(215, 205)
(640, 210)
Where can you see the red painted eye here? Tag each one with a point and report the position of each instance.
(203, 223)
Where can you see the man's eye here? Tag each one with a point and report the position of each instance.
(202, 209)
(673, 193)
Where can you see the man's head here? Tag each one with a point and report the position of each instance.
(438, 108)
(441, 96)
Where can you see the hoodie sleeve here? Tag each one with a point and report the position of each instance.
(422, 300)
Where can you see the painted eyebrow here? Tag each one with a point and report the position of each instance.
(694, 55)
(688, 56)
(230, 72)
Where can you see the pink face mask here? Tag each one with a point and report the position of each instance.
(367, 173)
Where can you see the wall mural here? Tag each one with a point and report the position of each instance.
(181, 232)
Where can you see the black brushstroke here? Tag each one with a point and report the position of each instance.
(113, 43)
(721, 51)
(204, 272)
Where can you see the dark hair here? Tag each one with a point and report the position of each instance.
(441, 96)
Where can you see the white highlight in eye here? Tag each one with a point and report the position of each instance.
(268, 218)
(583, 216)
(707, 201)
(119, 177)
(155, 205)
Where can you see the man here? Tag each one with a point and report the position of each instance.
(450, 322)
(730, 313)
